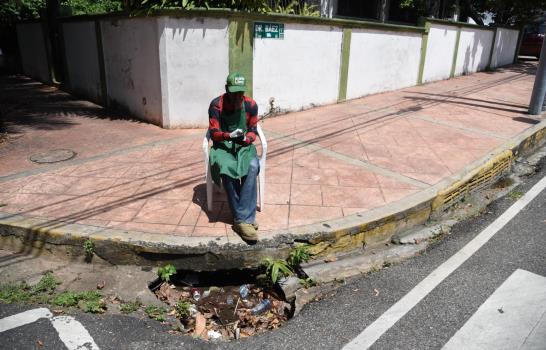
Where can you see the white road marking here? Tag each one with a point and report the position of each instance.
(24, 318)
(508, 318)
(71, 332)
(375, 330)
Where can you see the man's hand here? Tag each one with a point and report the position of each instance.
(236, 134)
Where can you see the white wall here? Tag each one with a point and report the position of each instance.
(440, 49)
(33, 51)
(194, 66)
(382, 61)
(299, 71)
(131, 59)
(80, 43)
(505, 47)
(474, 50)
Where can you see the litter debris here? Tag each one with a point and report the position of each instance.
(224, 313)
(376, 291)
(214, 334)
(243, 291)
(263, 306)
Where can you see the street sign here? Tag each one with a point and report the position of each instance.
(265, 30)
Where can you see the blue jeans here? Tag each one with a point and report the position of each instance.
(241, 194)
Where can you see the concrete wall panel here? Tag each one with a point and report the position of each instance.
(195, 64)
(382, 61)
(440, 48)
(131, 59)
(33, 51)
(506, 43)
(82, 59)
(299, 71)
(474, 50)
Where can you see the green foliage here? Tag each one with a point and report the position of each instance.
(275, 269)
(15, 293)
(88, 301)
(515, 195)
(47, 284)
(182, 309)
(131, 306)
(66, 299)
(157, 313)
(95, 306)
(24, 293)
(17, 10)
(88, 7)
(88, 247)
(308, 282)
(299, 254)
(261, 6)
(165, 272)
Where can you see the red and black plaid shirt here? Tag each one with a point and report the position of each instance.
(219, 105)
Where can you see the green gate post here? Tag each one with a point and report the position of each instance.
(424, 43)
(344, 67)
(241, 56)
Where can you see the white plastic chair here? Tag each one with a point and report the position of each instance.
(261, 176)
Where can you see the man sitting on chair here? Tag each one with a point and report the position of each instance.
(233, 158)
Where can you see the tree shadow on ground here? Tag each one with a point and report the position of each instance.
(27, 104)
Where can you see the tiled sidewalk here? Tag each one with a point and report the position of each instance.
(322, 164)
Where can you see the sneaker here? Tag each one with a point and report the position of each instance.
(255, 225)
(246, 231)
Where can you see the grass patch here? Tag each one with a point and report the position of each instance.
(515, 195)
(43, 292)
(157, 313)
(130, 307)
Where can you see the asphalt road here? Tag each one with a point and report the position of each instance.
(335, 321)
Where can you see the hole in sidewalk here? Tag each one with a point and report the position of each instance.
(504, 182)
(53, 156)
(223, 305)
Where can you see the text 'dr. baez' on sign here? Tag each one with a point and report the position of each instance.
(264, 30)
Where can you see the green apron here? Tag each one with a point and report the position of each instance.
(227, 157)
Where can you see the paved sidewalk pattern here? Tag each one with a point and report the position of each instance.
(322, 164)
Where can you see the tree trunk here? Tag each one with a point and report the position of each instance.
(383, 10)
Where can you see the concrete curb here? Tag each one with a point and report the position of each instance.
(33, 235)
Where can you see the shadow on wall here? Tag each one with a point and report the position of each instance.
(470, 56)
(192, 25)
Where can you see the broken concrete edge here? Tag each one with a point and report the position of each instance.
(35, 235)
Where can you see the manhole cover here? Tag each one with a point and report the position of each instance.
(54, 156)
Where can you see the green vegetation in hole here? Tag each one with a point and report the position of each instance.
(182, 309)
(165, 272)
(276, 269)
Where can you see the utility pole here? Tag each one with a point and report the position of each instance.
(536, 106)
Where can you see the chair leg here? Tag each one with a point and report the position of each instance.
(261, 190)
(209, 191)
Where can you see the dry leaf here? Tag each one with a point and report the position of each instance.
(101, 284)
(200, 326)
(166, 293)
(376, 292)
(40, 343)
(330, 258)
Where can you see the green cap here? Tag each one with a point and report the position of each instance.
(236, 82)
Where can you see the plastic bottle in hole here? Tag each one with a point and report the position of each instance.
(243, 291)
(263, 306)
